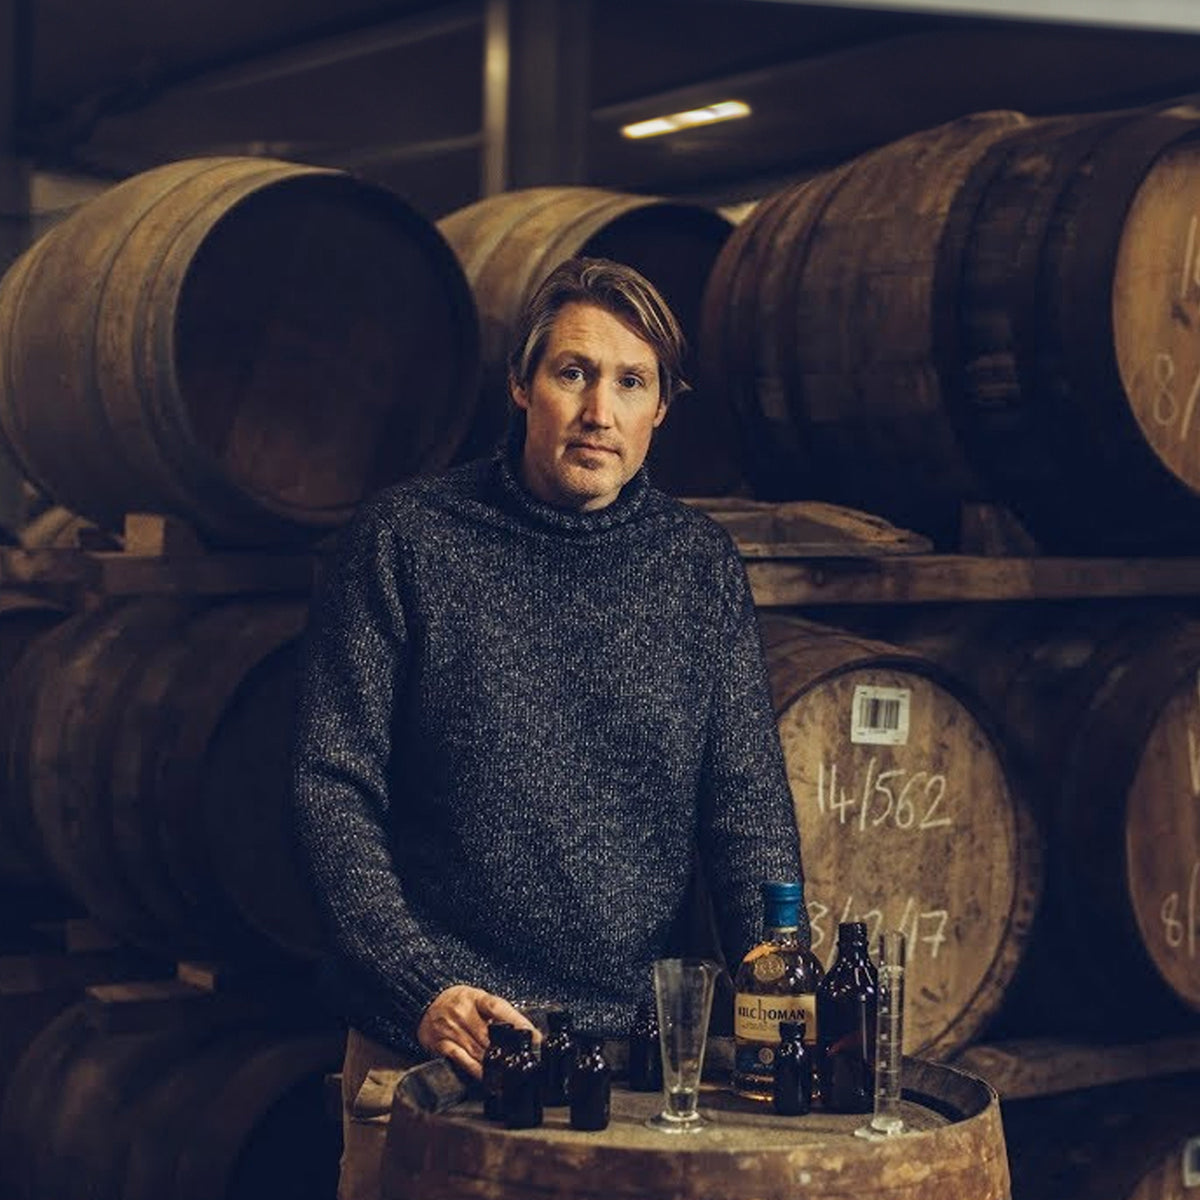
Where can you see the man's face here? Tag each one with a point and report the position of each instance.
(590, 409)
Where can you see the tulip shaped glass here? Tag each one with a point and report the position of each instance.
(683, 991)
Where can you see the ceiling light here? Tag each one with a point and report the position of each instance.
(726, 110)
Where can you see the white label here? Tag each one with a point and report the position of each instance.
(880, 716)
(1191, 1163)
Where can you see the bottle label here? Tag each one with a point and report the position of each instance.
(879, 716)
(757, 1018)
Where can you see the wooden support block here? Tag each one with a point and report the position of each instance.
(1022, 1069)
(158, 535)
(808, 529)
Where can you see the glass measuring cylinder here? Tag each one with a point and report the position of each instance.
(889, 1039)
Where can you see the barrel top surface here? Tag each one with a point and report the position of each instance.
(737, 1126)
(956, 1148)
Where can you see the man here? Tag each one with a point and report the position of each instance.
(534, 690)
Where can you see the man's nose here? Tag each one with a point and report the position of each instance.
(597, 405)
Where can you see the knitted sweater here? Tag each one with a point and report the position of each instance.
(517, 725)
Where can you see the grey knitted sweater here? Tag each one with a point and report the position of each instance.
(517, 725)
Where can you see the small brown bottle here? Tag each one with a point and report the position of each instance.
(591, 1085)
(645, 1051)
(493, 1068)
(847, 1007)
(521, 1088)
(793, 1075)
(558, 1056)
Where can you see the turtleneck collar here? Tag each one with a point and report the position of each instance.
(519, 500)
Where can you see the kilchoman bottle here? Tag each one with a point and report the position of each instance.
(558, 1056)
(645, 1050)
(499, 1043)
(793, 1078)
(591, 1085)
(521, 1086)
(847, 1009)
(776, 982)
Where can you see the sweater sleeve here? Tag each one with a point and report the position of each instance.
(747, 830)
(352, 669)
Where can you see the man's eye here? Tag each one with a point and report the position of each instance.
(632, 381)
(571, 374)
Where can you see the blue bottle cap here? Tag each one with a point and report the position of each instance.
(781, 891)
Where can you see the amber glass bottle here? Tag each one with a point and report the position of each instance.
(847, 1006)
(777, 981)
(558, 1056)
(498, 1046)
(591, 1085)
(521, 1089)
(793, 1080)
(645, 1051)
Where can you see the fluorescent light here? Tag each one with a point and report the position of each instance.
(725, 110)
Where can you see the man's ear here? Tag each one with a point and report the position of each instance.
(661, 415)
(519, 395)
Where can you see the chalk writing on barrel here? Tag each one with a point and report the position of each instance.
(1179, 927)
(921, 926)
(906, 799)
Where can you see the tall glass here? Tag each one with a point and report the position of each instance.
(889, 1039)
(683, 991)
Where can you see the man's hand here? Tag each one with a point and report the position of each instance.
(456, 1025)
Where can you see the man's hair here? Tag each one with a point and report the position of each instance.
(619, 290)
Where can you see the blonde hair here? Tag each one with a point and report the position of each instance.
(618, 289)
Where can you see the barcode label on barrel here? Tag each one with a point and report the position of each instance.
(880, 716)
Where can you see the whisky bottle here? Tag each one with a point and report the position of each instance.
(777, 981)
(847, 1008)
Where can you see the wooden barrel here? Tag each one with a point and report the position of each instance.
(956, 1150)
(196, 1110)
(820, 320)
(156, 770)
(994, 309)
(250, 344)
(23, 620)
(1100, 707)
(508, 244)
(910, 818)
(1137, 1140)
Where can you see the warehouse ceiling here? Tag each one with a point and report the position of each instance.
(395, 90)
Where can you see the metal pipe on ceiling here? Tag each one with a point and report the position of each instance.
(1167, 15)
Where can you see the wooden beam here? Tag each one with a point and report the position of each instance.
(536, 94)
(927, 578)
